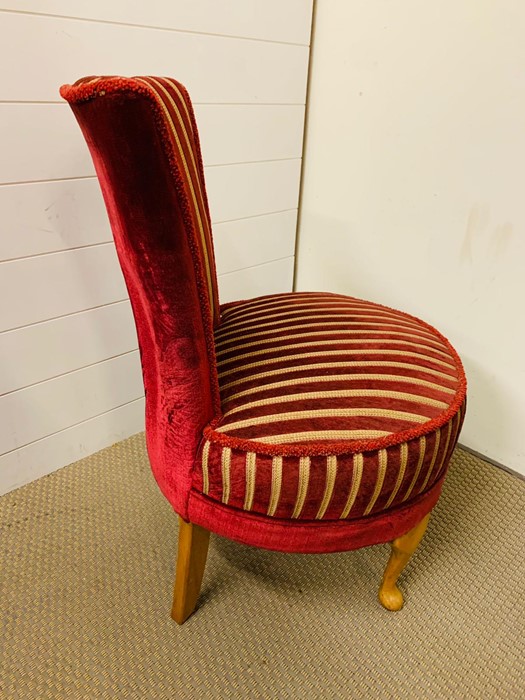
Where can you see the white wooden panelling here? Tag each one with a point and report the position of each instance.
(47, 349)
(71, 380)
(214, 69)
(44, 350)
(238, 191)
(55, 451)
(50, 216)
(271, 278)
(48, 286)
(273, 20)
(53, 285)
(48, 407)
(253, 241)
(241, 133)
(44, 217)
(45, 142)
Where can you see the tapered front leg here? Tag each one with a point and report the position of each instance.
(191, 561)
(403, 547)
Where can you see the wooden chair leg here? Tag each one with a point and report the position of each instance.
(403, 547)
(191, 560)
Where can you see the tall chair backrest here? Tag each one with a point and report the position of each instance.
(144, 143)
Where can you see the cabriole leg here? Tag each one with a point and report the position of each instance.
(403, 547)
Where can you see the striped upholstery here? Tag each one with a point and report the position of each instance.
(296, 422)
(333, 408)
(179, 127)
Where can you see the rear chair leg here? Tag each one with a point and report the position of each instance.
(403, 547)
(191, 560)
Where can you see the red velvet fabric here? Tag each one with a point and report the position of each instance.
(151, 178)
(314, 536)
(158, 251)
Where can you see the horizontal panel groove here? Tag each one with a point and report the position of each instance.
(69, 445)
(53, 179)
(53, 405)
(266, 278)
(251, 267)
(94, 177)
(233, 71)
(55, 252)
(253, 216)
(110, 242)
(73, 313)
(195, 104)
(73, 425)
(150, 27)
(33, 102)
(250, 162)
(72, 371)
(249, 104)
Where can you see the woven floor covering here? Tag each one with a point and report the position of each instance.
(86, 575)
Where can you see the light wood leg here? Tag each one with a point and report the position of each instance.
(403, 547)
(191, 560)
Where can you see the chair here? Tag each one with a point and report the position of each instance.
(298, 422)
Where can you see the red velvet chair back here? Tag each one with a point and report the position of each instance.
(144, 143)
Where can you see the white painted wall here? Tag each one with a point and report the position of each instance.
(413, 183)
(70, 382)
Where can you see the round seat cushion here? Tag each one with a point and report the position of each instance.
(333, 408)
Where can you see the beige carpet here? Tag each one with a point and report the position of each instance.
(86, 574)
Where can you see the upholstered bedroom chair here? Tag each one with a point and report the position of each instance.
(298, 422)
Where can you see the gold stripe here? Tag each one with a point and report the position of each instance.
(329, 365)
(189, 143)
(289, 438)
(456, 429)
(456, 434)
(357, 474)
(289, 309)
(313, 313)
(302, 488)
(225, 463)
(324, 413)
(340, 394)
(331, 473)
(403, 456)
(205, 475)
(329, 353)
(182, 99)
(339, 378)
(285, 301)
(381, 471)
(197, 174)
(433, 460)
(354, 319)
(189, 180)
(422, 450)
(337, 341)
(274, 299)
(442, 460)
(250, 480)
(277, 477)
(287, 296)
(341, 331)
